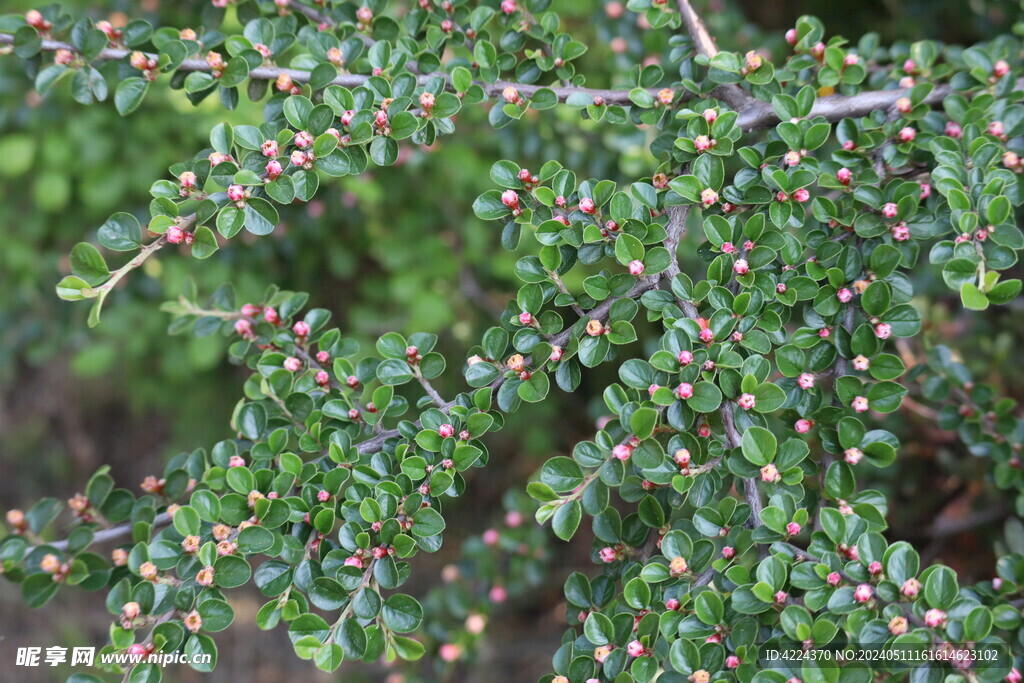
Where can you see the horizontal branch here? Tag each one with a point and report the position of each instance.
(756, 115)
(271, 73)
(114, 532)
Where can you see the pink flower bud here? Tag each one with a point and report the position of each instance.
(707, 335)
(682, 458)
(587, 205)
(292, 364)
(322, 378)
(746, 401)
(271, 316)
(301, 329)
(243, 328)
(510, 198)
(791, 37)
(844, 175)
(651, 389)
(803, 426)
(622, 452)
(863, 593)
(1000, 68)
(995, 128)
(805, 381)
(910, 587)
(427, 101)
(861, 363)
(491, 537)
(635, 649)
(710, 115)
(508, 6)
(781, 288)
(781, 597)
(900, 232)
(953, 129)
(860, 404)
(770, 474)
(298, 158)
(791, 158)
(834, 579)
(934, 618)
(898, 626)
(851, 60)
(525, 318)
(753, 61)
(732, 661)
(793, 528)
(926, 191)
(890, 210)
(175, 235)
(907, 134)
(556, 353)
(728, 552)
(708, 197)
(303, 139)
(853, 455)
(672, 604)
(875, 568)
(1014, 676)
(702, 143)
(883, 330)
(445, 431)
(728, 247)
(607, 555)
(684, 390)
(845, 295)
(741, 267)
(236, 461)
(849, 145)
(364, 15)
(274, 169)
(685, 358)
(636, 267)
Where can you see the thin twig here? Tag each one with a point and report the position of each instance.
(115, 532)
(734, 95)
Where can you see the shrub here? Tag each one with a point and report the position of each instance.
(724, 493)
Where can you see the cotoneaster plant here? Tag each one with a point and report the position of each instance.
(723, 493)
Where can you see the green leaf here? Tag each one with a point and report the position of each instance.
(643, 421)
(567, 519)
(427, 522)
(87, 263)
(402, 613)
(759, 446)
(940, 588)
(204, 244)
(534, 389)
(129, 95)
(260, 216)
(972, 297)
(562, 474)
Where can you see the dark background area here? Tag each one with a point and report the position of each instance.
(394, 249)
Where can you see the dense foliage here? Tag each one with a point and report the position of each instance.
(724, 490)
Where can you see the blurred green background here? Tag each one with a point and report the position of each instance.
(394, 249)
